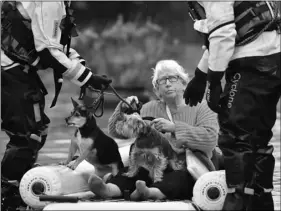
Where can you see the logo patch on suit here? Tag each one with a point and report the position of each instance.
(55, 29)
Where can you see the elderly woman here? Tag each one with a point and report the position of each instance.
(193, 127)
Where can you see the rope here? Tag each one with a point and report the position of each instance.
(99, 101)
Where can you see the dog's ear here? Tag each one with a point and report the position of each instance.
(74, 103)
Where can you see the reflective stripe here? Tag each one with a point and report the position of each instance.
(36, 62)
(249, 191)
(231, 190)
(84, 81)
(37, 114)
(79, 73)
(268, 190)
(72, 72)
(35, 137)
(271, 11)
(87, 78)
(9, 66)
(84, 75)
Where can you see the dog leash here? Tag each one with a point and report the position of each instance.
(99, 101)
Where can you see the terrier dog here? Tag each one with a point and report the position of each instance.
(94, 146)
(150, 150)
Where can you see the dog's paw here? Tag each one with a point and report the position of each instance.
(64, 163)
(72, 165)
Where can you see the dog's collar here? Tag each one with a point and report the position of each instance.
(88, 124)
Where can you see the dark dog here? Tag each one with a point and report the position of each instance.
(151, 149)
(94, 146)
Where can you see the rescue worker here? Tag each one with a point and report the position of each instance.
(243, 44)
(35, 35)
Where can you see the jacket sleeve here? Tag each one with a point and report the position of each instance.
(203, 135)
(222, 33)
(46, 19)
(203, 63)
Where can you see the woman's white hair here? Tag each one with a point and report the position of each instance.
(169, 64)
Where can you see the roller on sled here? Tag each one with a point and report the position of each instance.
(208, 194)
(57, 187)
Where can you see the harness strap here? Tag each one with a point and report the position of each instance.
(12, 17)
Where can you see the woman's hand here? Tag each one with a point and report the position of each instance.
(163, 125)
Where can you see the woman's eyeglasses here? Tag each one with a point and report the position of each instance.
(172, 79)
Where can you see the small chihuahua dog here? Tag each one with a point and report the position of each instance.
(94, 146)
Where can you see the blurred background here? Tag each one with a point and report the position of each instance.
(124, 40)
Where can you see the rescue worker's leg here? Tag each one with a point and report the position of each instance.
(22, 113)
(248, 114)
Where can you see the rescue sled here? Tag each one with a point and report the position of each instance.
(57, 187)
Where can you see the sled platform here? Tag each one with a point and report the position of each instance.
(123, 205)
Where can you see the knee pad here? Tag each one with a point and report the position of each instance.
(238, 160)
(16, 162)
(264, 167)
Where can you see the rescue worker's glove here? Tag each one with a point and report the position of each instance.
(81, 60)
(214, 90)
(98, 82)
(195, 89)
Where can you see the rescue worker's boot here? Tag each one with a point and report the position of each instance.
(17, 160)
(10, 196)
(264, 170)
(249, 176)
(20, 156)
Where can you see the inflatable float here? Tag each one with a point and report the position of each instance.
(57, 187)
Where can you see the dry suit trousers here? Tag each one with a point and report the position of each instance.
(22, 114)
(248, 114)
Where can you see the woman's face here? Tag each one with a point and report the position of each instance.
(169, 84)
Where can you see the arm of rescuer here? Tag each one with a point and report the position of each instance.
(222, 33)
(221, 36)
(45, 23)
